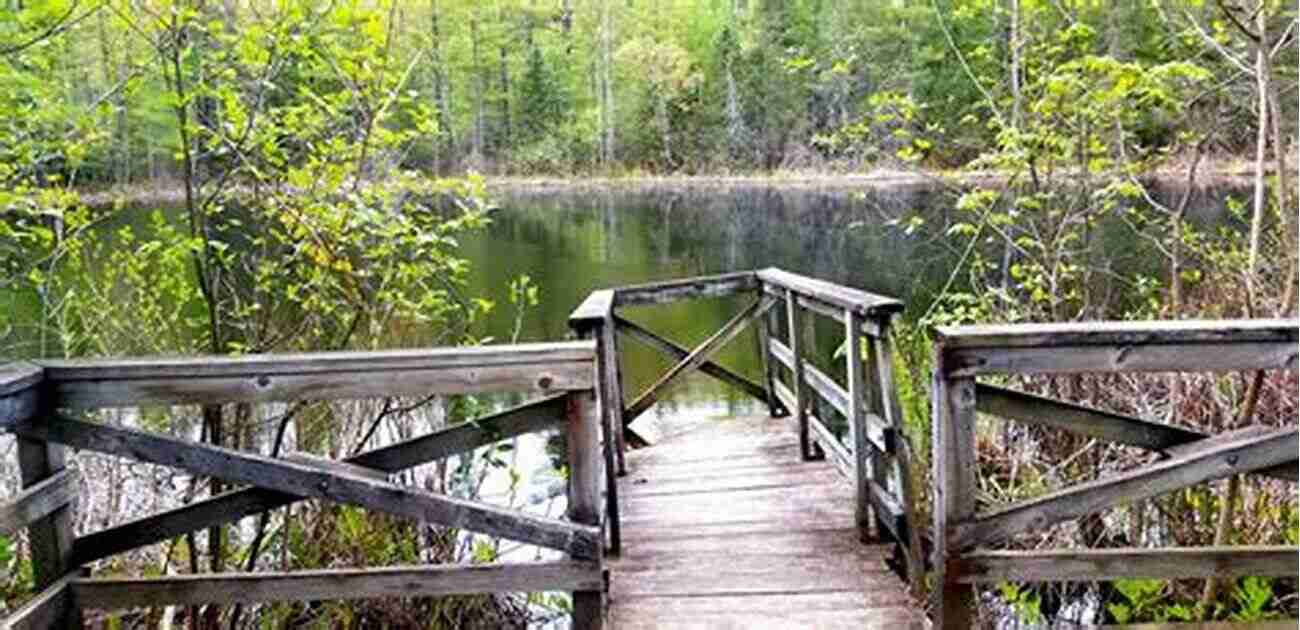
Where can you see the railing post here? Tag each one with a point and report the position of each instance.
(953, 417)
(794, 331)
(585, 474)
(51, 536)
(765, 330)
(862, 464)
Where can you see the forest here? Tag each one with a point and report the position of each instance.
(250, 176)
(562, 87)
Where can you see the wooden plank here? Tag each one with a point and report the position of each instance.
(1104, 425)
(678, 353)
(312, 482)
(325, 463)
(18, 376)
(1221, 457)
(231, 506)
(1059, 359)
(335, 584)
(685, 289)
(1090, 565)
(48, 609)
(586, 478)
(881, 436)
(19, 392)
(699, 355)
(870, 327)
(861, 302)
(38, 501)
(611, 407)
(593, 311)
(953, 420)
(1119, 333)
(889, 511)
(539, 379)
(50, 536)
(766, 329)
(863, 471)
(798, 383)
(901, 462)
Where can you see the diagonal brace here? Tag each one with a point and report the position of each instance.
(697, 357)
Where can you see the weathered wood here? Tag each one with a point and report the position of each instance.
(1061, 359)
(48, 609)
(51, 536)
(861, 302)
(953, 459)
(881, 437)
(678, 353)
(892, 410)
(1104, 425)
(611, 406)
(313, 482)
(527, 418)
(775, 546)
(869, 326)
(1119, 333)
(544, 368)
(585, 476)
(699, 355)
(18, 376)
(335, 584)
(1221, 457)
(19, 392)
(798, 383)
(1113, 564)
(765, 329)
(597, 308)
(889, 512)
(863, 471)
(327, 464)
(685, 288)
(19, 406)
(38, 501)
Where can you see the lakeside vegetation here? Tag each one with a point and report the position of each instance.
(322, 158)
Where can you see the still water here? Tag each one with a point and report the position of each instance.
(573, 241)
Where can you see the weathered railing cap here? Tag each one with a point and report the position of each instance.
(859, 301)
(1117, 332)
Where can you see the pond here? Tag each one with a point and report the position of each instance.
(573, 240)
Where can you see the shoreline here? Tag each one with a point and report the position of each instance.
(169, 192)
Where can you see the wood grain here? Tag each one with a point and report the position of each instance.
(1113, 564)
(1119, 333)
(685, 288)
(878, 433)
(38, 501)
(726, 527)
(335, 584)
(313, 482)
(861, 302)
(527, 418)
(1217, 458)
(1060, 359)
(1112, 427)
(678, 353)
(48, 609)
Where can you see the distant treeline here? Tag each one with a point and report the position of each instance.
(649, 86)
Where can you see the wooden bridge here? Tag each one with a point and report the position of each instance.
(773, 521)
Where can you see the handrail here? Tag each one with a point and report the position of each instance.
(965, 352)
(35, 402)
(868, 402)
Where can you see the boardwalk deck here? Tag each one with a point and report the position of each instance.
(725, 527)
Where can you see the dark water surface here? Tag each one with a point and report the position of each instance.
(571, 241)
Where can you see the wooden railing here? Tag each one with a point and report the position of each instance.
(876, 458)
(39, 403)
(965, 353)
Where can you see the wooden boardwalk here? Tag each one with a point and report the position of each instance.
(725, 527)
